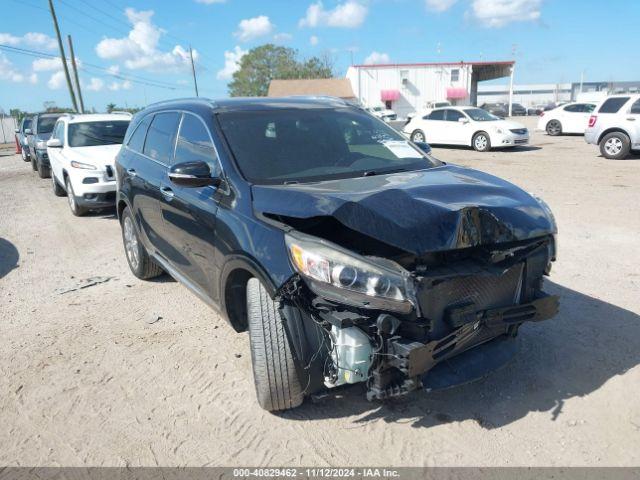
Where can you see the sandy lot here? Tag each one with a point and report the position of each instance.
(126, 372)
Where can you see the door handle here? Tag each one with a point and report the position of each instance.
(131, 172)
(631, 119)
(167, 193)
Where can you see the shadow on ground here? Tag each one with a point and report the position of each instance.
(588, 343)
(9, 257)
(521, 148)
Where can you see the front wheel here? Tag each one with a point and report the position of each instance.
(274, 368)
(481, 142)
(34, 165)
(43, 170)
(58, 191)
(24, 155)
(76, 209)
(615, 146)
(418, 136)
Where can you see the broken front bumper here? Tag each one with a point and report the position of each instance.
(481, 345)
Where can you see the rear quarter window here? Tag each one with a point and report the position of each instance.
(612, 105)
(161, 136)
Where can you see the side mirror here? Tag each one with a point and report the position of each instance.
(192, 174)
(463, 120)
(425, 147)
(54, 143)
(27, 131)
(17, 130)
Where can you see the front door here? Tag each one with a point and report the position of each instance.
(189, 214)
(455, 132)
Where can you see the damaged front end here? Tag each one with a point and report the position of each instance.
(408, 321)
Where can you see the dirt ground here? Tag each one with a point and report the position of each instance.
(127, 372)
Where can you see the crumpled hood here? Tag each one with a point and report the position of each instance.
(99, 155)
(442, 208)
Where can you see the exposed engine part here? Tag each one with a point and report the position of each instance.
(351, 355)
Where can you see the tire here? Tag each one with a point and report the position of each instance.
(418, 136)
(34, 165)
(43, 172)
(58, 191)
(76, 209)
(554, 128)
(615, 146)
(24, 155)
(274, 368)
(481, 142)
(140, 263)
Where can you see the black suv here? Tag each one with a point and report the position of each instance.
(348, 253)
(37, 136)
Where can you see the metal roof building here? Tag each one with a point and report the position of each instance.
(410, 87)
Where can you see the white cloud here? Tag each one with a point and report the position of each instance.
(139, 50)
(231, 63)
(282, 37)
(498, 13)
(9, 72)
(255, 27)
(350, 14)
(313, 40)
(124, 85)
(377, 58)
(210, 2)
(57, 80)
(46, 64)
(95, 85)
(31, 39)
(440, 5)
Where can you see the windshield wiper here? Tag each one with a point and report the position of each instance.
(372, 173)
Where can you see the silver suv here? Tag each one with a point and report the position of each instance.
(615, 126)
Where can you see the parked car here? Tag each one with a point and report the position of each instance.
(82, 152)
(383, 113)
(517, 110)
(569, 118)
(469, 126)
(41, 128)
(21, 135)
(535, 110)
(497, 109)
(349, 254)
(615, 126)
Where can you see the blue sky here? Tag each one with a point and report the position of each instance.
(122, 44)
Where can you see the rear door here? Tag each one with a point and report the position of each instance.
(189, 214)
(632, 121)
(575, 117)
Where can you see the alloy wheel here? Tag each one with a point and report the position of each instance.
(480, 142)
(418, 137)
(131, 243)
(613, 146)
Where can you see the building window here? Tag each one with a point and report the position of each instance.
(455, 75)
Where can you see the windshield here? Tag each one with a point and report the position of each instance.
(45, 124)
(26, 124)
(91, 134)
(296, 145)
(480, 115)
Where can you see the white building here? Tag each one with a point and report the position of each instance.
(410, 87)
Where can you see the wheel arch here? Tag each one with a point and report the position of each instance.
(476, 133)
(613, 130)
(235, 274)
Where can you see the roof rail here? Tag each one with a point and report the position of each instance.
(120, 112)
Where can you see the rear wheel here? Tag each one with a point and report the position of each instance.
(481, 142)
(418, 136)
(554, 128)
(615, 146)
(140, 263)
(274, 368)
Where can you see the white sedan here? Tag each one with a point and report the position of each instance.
(469, 126)
(568, 118)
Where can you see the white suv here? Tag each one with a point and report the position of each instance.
(615, 126)
(82, 152)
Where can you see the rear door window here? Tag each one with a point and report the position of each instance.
(635, 108)
(612, 105)
(576, 108)
(436, 115)
(161, 136)
(194, 143)
(136, 142)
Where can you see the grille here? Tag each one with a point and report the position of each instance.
(519, 131)
(480, 292)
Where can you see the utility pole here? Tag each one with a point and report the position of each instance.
(63, 58)
(75, 73)
(193, 70)
(514, 48)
